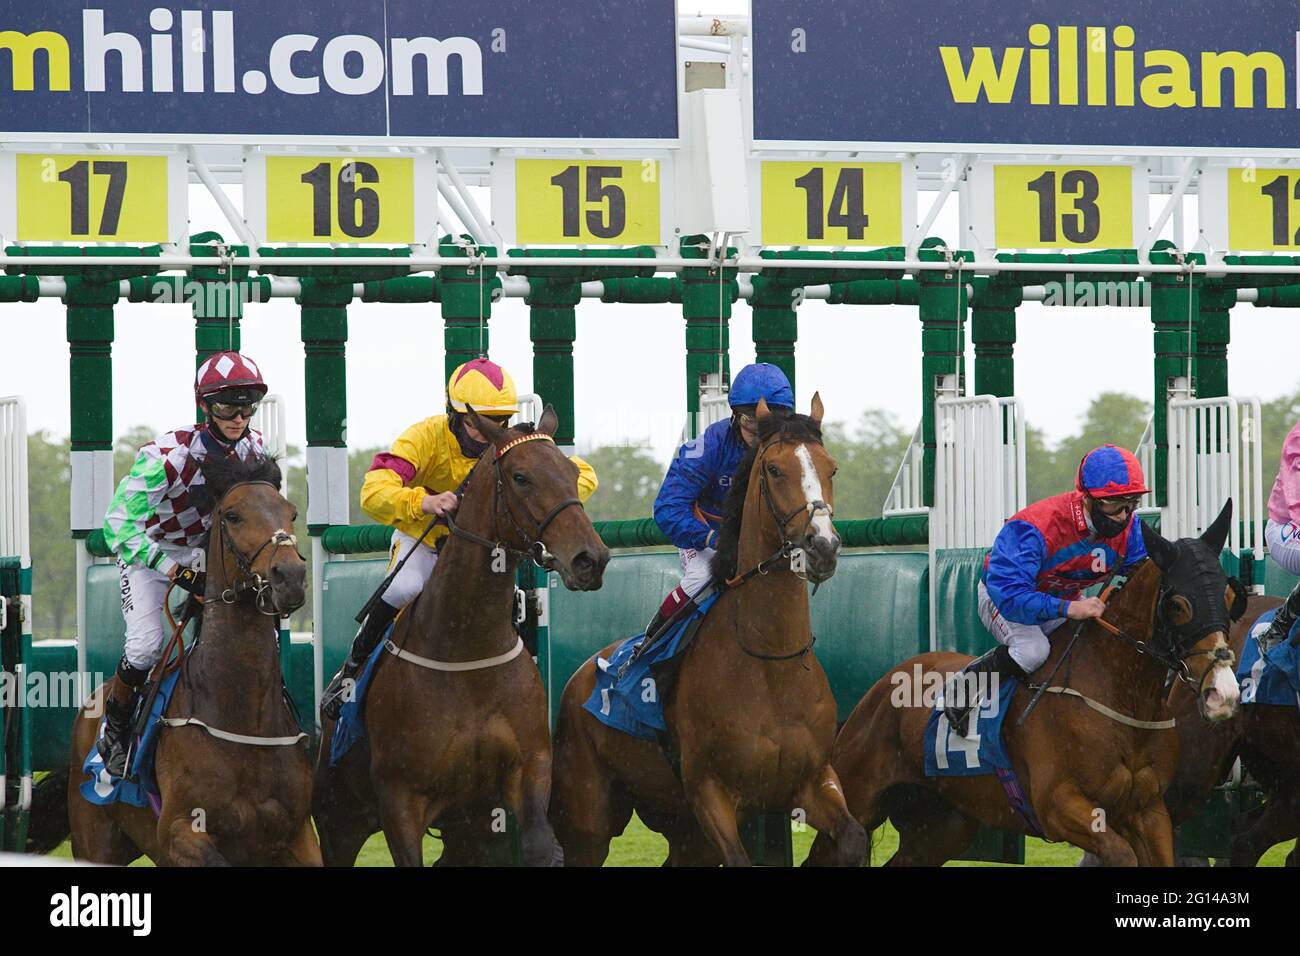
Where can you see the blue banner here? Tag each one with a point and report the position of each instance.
(1201, 74)
(506, 69)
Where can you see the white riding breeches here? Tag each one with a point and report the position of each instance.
(1028, 642)
(143, 593)
(1283, 542)
(696, 571)
(410, 580)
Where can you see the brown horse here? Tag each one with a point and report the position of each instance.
(224, 802)
(456, 726)
(750, 713)
(1092, 779)
(1267, 739)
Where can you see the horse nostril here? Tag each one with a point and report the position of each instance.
(584, 565)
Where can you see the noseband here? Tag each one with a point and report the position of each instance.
(534, 547)
(249, 581)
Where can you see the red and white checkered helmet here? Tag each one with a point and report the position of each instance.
(229, 371)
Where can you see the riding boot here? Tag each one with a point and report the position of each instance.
(997, 661)
(119, 707)
(377, 621)
(1281, 624)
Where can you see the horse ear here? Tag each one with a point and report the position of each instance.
(1164, 553)
(1216, 534)
(817, 410)
(490, 430)
(549, 421)
(762, 411)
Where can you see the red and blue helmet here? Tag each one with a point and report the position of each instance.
(761, 380)
(1111, 472)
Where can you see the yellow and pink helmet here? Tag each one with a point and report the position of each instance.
(484, 386)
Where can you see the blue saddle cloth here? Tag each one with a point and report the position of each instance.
(351, 727)
(1272, 678)
(103, 790)
(626, 696)
(949, 755)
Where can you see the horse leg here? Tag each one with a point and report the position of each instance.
(934, 838)
(584, 809)
(528, 794)
(304, 850)
(183, 845)
(715, 808)
(1070, 816)
(1153, 836)
(822, 799)
(344, 819)
(404, 816)
(1276, 823)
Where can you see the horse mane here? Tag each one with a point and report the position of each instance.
(223, 472)
(780, 424)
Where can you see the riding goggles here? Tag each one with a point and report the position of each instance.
(1115, 507)
(225, 411)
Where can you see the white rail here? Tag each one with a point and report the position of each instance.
(979, 476)
(906, 495)
(15, 534)
(1215, 454)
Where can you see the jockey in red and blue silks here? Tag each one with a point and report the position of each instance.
(689, 506)
(1046, 556)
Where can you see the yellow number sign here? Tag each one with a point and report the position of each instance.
(1263, 209)
(340, 199)
(577, 202)
(832, 204)
(101, 197)
(1063, 207)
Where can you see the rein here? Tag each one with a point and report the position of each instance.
(534, 547)
(788, 547)
(249, 581)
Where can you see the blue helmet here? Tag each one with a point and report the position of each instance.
(762, 380)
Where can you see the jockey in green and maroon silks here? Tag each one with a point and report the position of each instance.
(1047, 555)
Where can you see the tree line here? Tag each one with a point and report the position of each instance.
(868, 451)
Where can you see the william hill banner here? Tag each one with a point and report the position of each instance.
(1213, 75)
(562, 70)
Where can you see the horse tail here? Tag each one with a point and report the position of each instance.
(48, 825)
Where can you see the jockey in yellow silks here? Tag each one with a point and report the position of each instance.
(416, 480)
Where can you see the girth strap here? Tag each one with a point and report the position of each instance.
(433, 665)
(233, 738)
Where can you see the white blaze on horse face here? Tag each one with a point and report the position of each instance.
(812, 491)
(1224, 694)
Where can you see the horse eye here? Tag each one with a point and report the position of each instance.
(834, 472)
(520, 479)
(232, 517)
(774, 471)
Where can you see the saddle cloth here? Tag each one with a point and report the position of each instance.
(351, 726)
(141, 790)
(1272, 678)
(626, 696)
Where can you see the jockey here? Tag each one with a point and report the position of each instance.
(689, 506)
(418, 478)
(1282, 533)
(157, 525)
(1045, 557)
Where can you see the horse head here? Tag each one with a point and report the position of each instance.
(1194, 612)
(538, 509)
(793, 472)
(253, 525)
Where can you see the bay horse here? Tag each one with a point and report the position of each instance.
(239, 802)
(457, 730)
(1267, 739)
(1092, 779)
(750, 714)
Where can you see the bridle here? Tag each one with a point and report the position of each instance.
(534, 547)
(249, 581)
(788, 547)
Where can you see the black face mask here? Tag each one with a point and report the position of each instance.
(468, 446)
(1106, 526)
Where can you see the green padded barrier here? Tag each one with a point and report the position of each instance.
(299, 677)
(56, 663)
(1277, 582)
(873, 614)
(956, 600)
(347, 586)
(581, 623)
(105, 629)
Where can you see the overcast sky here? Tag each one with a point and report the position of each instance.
(629, 359)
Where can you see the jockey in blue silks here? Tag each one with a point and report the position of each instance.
(694, 492)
